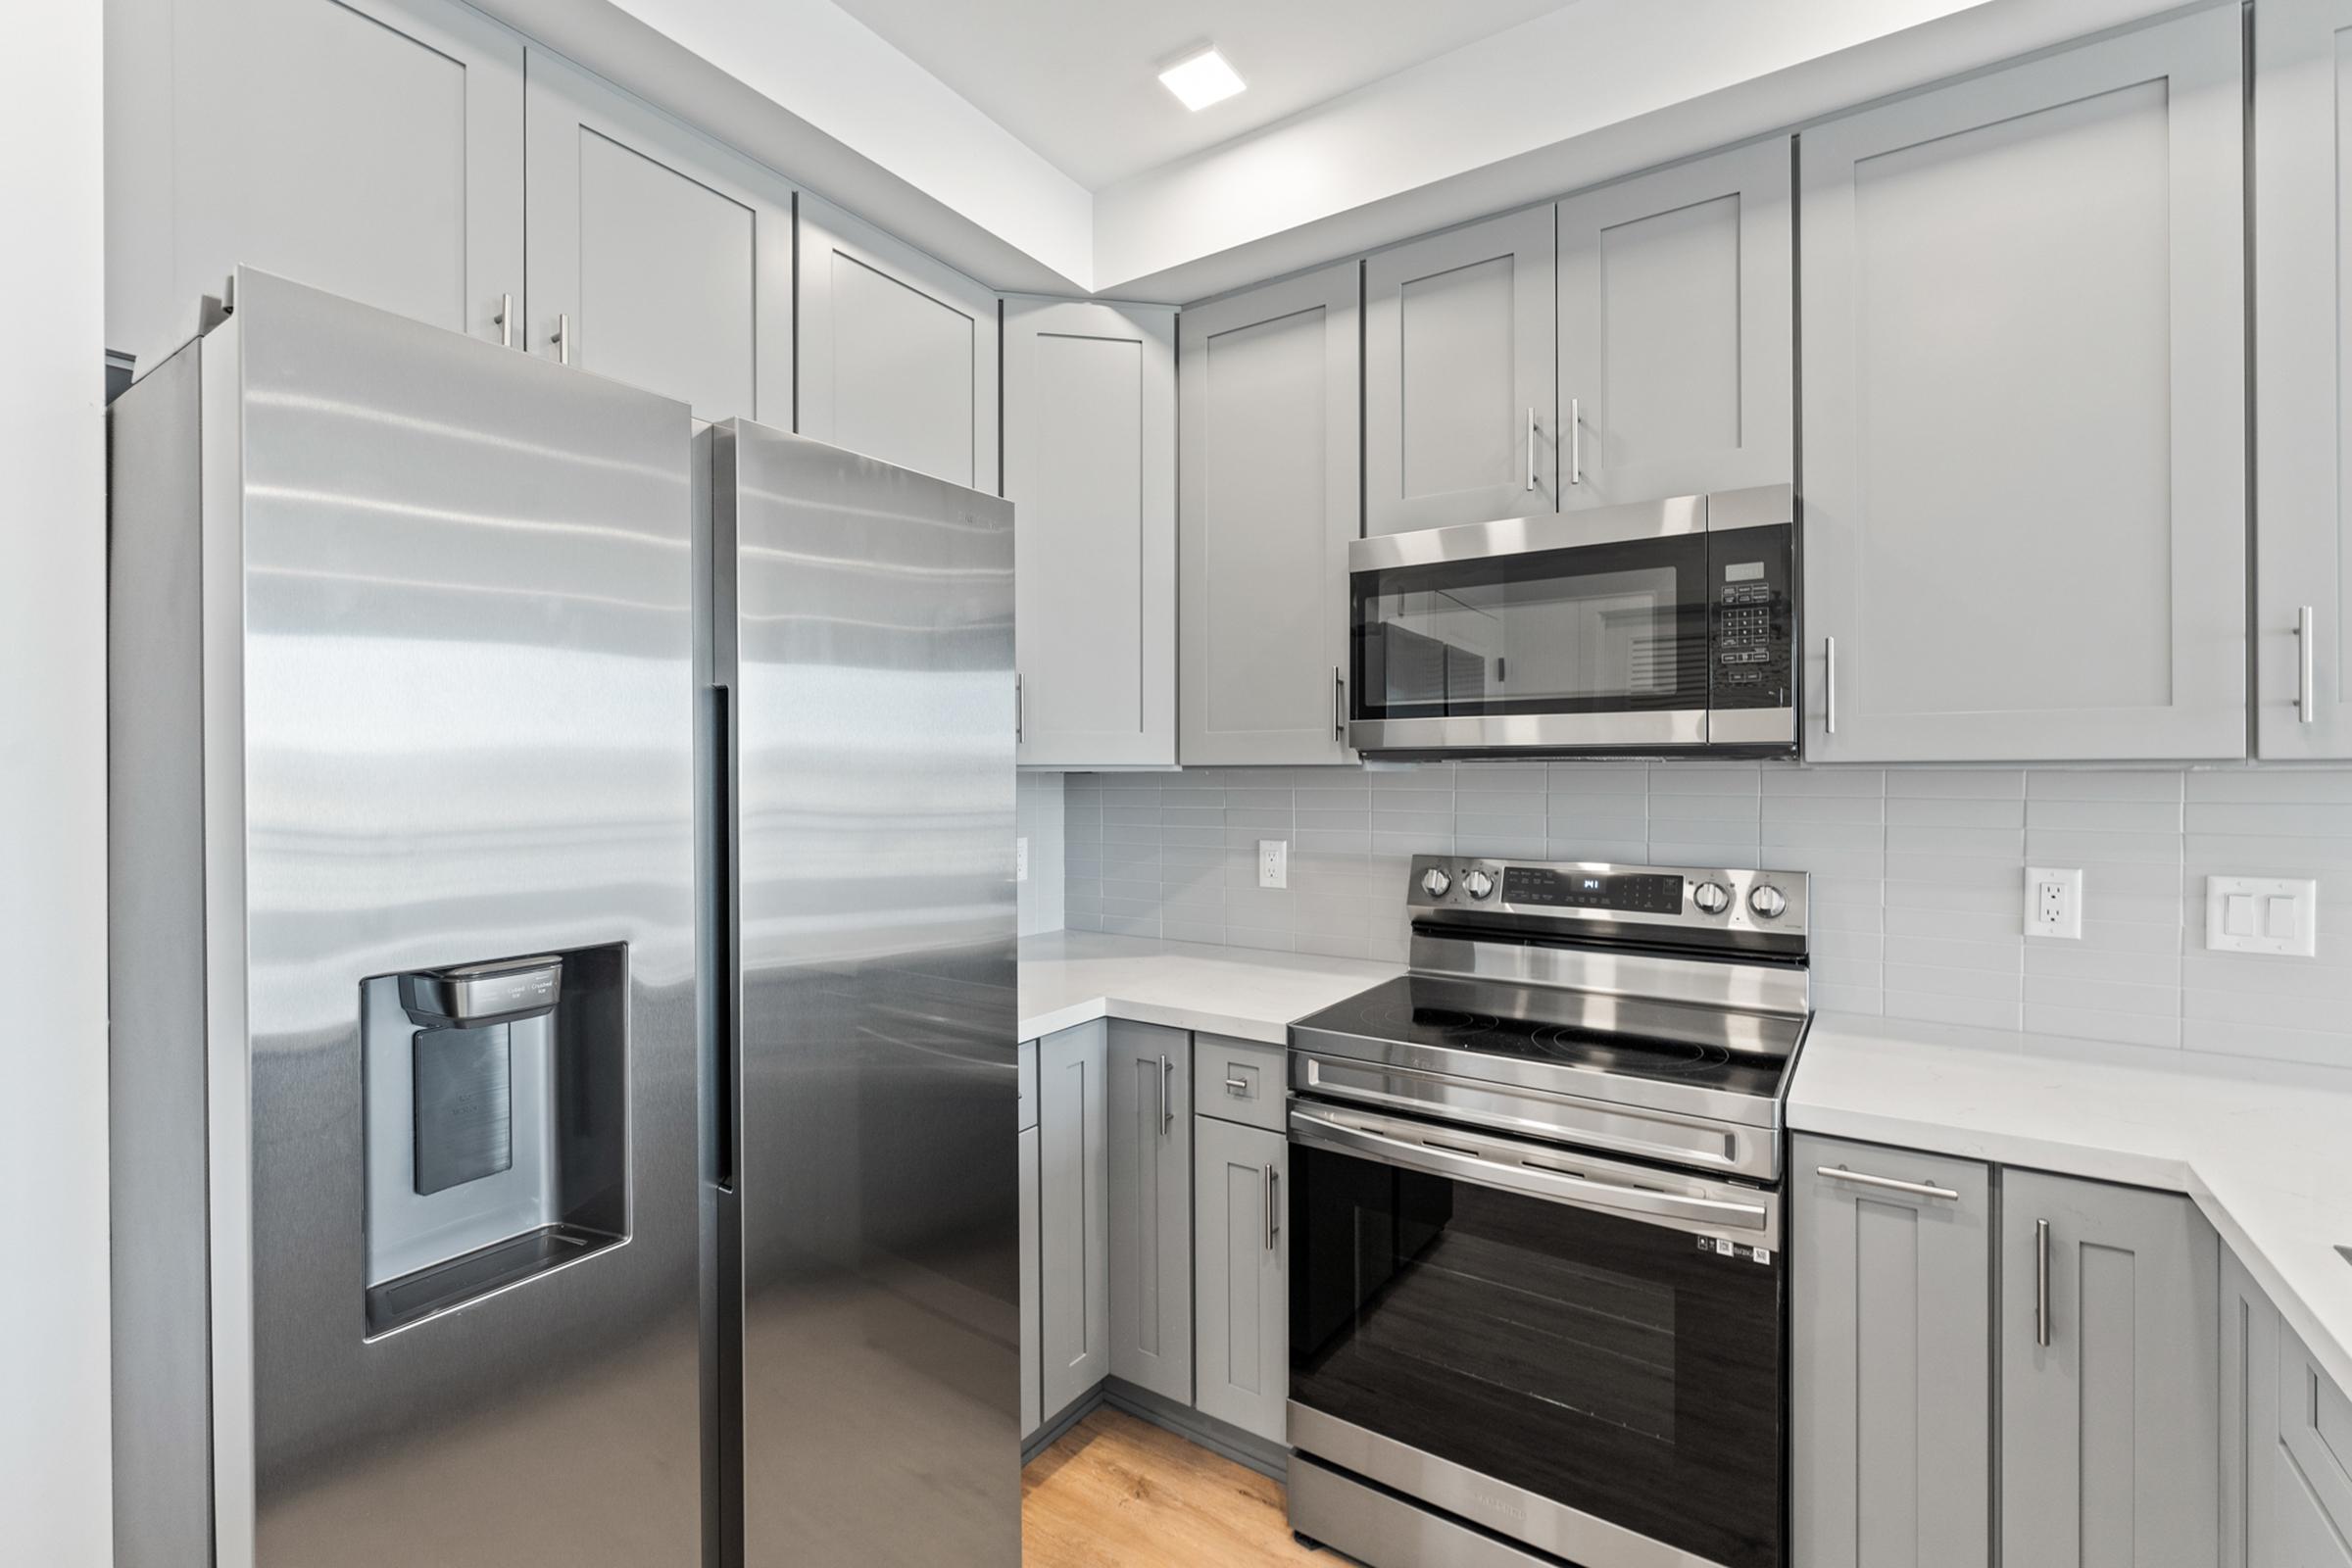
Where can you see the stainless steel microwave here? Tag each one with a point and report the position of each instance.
(1664, 626)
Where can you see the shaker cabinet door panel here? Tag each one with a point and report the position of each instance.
(1459, 385)
(2302, 356)
(656, 257)
(2110, 1383)
(1677, 332)
(2025, 411)
(1149, 1143)
(1090, 466)
(1271, 494)
(898, 352)
(1891, 1351)
(371, 148)
(1033, 1413)
(1074, 1215)
(1241, 1254)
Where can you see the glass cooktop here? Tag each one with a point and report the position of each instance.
(1625, 1037)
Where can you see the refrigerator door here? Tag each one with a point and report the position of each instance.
(865, 624)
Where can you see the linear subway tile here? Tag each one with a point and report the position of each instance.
(2084, 785)
(1957, 784)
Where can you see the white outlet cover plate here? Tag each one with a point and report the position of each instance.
(2069, 925)
(1273, 863)
(2301, 940)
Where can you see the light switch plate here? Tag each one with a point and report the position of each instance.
(1273, 863)
(2289, 929)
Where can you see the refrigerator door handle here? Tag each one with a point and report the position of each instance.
(722, 1052)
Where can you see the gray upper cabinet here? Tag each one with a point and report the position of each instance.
(2109, 1383)
(656, 257)
(2302, 301)
(1090, 466)
(1892, 1412)
(1460, 395)
(1677, 293)
(1073, 1209)
(1150, 1089)
(1271, 494)
(1241, 1257)
(373, 148)
(898, 352)
(2025, 411)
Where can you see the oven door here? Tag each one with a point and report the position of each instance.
(1587, 631)
(1581, 1355)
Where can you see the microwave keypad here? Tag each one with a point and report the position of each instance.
(1753, 611)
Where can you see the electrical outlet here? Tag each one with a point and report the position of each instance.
(1273, 863)
(1020, 860)
(2053, 903)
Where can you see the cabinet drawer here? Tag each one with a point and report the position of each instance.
(1241, 1081)
(2315, 1428)
(1028, 1085)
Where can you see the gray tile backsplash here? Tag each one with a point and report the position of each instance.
(1918, 875)
(1037, 818)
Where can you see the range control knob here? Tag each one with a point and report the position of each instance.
(1435, 881)
(1767, 903)
(1712, 898)
(1477, 884)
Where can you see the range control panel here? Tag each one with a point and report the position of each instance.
(1648, 892)
(1456, 889)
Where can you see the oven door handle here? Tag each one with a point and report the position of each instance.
(1526, 1176)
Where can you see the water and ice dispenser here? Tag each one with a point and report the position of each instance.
(497, 1125)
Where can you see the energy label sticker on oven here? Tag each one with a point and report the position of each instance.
(1722, 1246)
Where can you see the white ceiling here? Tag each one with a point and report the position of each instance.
(1078, 79)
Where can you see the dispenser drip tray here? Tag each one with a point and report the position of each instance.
(398, 1302)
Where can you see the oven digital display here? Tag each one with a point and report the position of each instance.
(1543, 884)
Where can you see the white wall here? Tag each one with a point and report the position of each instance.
(54, 1445)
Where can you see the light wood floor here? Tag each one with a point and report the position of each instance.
(1118, 1492)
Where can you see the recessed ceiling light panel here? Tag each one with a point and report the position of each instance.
(1202, 79)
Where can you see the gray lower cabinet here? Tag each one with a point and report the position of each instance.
(2024, 351)
(2109, 1379)
(1678, 345)
(373, 148)
(1150, 1146)
(2287, 1440)
(1271, 494)
(1241, 1250)
(1090, 466)
(1033, 1413)
(657, 256)
(2248, 1359)
(898, 352)
(1074, 1241)
(1460, 391)
(1891, 1357)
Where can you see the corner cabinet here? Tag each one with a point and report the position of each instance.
(656, 257)
(1460, 395)
(1891, 1413)
(1242, 1255)
(1090, 466)
(1150, 1148)
(1271, 494)
(1073, 1216)
(1678, 347)
(2302, 294)
(898, 352)
(2287, 1440)
(2109, 1384)
(2023, 410)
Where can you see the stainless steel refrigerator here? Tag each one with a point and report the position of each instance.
(405, 1057)
(860, 650)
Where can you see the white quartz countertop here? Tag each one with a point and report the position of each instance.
(1074, 978)
(2265, 1150)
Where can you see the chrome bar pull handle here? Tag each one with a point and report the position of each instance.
(2307, 692)
(1273, 1207)
(1338, 703)
(1576, 441)
(1167, 1118)
(1531, 446)
(563, 338)
(1020, 710)
(1886, 1183)
(1829, 685)
(1237, 1086)
(505, 320)
(2041, 1283)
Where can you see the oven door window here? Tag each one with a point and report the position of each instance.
(1601, 628)
(1625, 1370)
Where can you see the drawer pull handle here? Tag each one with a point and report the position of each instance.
(1886, 1183)
(1237, 1086)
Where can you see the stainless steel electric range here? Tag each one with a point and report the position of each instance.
(1537, 1289)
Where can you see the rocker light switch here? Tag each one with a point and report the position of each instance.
(2261, 915)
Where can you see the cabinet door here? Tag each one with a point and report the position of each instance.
(1152, 1208)
(2302, 355)
(1073, 1209)
(1272, 492)
(1678, 342)
(1241, 1254)
(1090, 466)
(2249, 1436)
(898, 350)
(1033, 1413)
(2312, 1481)
(656, 257)
(2110, 1397)
(1459, 383)
(371, 148)
(1892, 1417)
(2025, 411)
